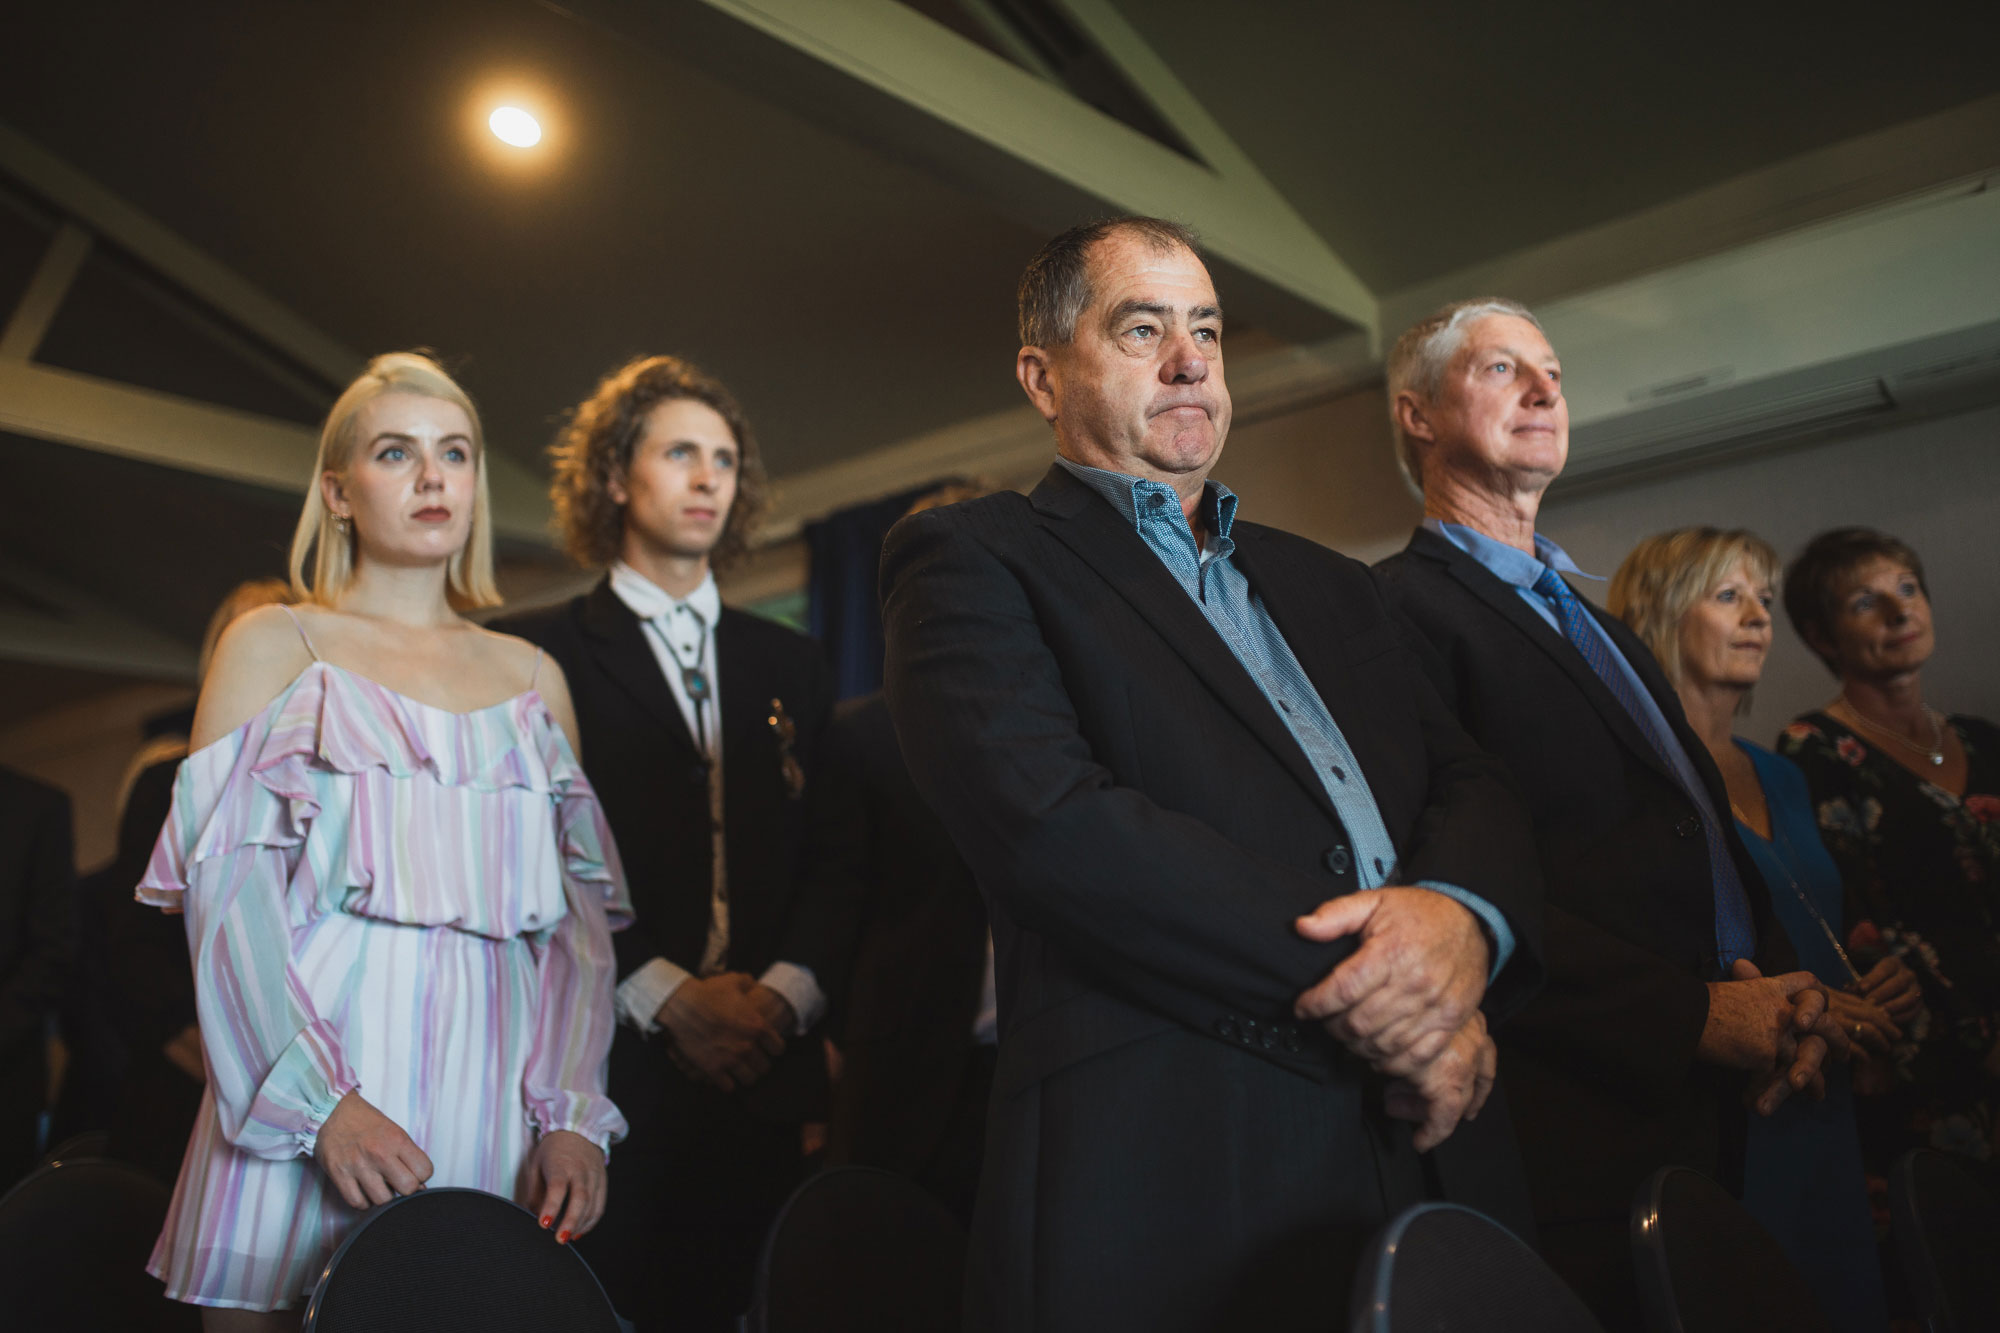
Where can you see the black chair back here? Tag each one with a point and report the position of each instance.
(448, 1259)
(74, 1239)
(1707, 1266)
(1945, 1213)
(1443, 1268)
(859, 1250)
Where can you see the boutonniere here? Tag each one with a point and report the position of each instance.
(786, 733)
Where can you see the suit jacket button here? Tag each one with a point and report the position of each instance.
(1292, 1040)
(1339, 860)
(1225, 1028)
(1268, 1039)
(1688, 827)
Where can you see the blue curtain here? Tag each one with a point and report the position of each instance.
(846, 549)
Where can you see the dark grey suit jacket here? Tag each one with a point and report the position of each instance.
(1606, 1053)
(1167, 1147)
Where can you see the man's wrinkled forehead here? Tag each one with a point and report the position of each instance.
(1505, 335)
(1131, 271)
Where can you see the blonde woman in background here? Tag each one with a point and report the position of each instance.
(1701, 599)
(398, 886)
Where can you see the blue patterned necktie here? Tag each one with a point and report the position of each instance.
(1735, 935)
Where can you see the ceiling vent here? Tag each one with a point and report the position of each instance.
(1892, 312)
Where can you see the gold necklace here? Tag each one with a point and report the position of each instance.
(1781, 847)
(1933, 752)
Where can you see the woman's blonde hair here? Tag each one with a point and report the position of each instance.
(1664, 576)
(469, 576)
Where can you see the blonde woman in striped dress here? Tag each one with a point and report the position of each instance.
(399, 888)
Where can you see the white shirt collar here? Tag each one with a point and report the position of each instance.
(648, 601)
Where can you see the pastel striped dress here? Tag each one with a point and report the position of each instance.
(385, 896)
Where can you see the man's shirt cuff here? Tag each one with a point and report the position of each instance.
(1499, 933)
(801, 991)
(641, 994)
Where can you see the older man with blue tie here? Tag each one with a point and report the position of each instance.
(1670, 994)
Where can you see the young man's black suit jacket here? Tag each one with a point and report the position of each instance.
(906, 1026)
(653, 783)
(1600, 1067)
(1167, 1148)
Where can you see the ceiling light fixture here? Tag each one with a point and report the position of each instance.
(512, 125)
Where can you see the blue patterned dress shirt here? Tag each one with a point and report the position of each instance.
(1233, 607)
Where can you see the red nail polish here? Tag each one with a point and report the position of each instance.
(546, 1221)
(562, 1237)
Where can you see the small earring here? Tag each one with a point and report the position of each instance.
(340, 521)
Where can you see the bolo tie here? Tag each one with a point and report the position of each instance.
(694, 676)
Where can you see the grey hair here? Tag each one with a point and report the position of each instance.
(1055, 287)
(1418, 361)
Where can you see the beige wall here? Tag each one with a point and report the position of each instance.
(1324, 471)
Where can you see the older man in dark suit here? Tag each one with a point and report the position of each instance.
(1248, 882)
(1658, 1010)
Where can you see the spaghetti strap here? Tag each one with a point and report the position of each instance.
(301, 629)
(536, 674)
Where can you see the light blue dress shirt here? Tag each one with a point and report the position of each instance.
(1226, 598)
(1518, 569)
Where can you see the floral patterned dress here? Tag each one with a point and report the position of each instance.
(1921, 868)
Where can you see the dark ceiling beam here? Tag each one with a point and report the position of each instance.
(892, 78)
(93, 413)
(90, 412)
(111, 218)
(36, 309)
(1848, 176)
(79, 631)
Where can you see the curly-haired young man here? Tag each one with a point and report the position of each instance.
(699, 725)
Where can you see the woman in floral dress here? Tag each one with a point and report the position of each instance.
(1908, 802)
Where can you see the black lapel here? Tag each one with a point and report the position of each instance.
(746, 698)
(1309, 622)
(617, 642)
(1083, 521)
(1503, 598)
(1648, 668)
